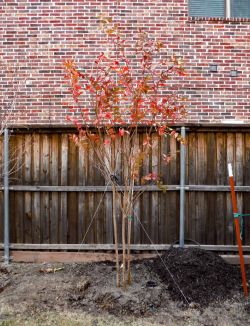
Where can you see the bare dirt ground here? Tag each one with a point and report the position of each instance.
(201, 289)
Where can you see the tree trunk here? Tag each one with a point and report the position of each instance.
(115, 236)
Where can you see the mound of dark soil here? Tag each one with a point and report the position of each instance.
(197, 275)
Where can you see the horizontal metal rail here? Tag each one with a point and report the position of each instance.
(212, 188)
(107, 247)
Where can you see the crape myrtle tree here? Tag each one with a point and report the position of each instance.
(8, 96)
(12, 82)
(125, 90)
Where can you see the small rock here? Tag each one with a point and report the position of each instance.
(116, 295)
(137, 267)
(94, 322)
(4, 270)
(151, 284)
(247, 307)
(180, 305)
(123, 301)
(82, 285)
(193, 305)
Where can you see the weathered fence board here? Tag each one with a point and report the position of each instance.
(56, 188)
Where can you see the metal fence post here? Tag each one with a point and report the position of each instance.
(182, 189)
(6, 198)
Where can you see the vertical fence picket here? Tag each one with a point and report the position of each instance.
(36, 204)
(27, 194)
(54, 178)
(63, 218)
(45, 180)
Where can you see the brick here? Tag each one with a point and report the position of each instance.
(37, 36)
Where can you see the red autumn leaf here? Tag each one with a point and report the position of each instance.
(161, 130)
(106, 142)
(121, 132)
(108, 115)
(151, 176)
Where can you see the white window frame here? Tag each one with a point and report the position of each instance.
(228, 8)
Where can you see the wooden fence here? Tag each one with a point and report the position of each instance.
(55, 190)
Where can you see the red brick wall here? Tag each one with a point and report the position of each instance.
(36, 36)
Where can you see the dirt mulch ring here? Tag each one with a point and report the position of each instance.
(201, 288)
